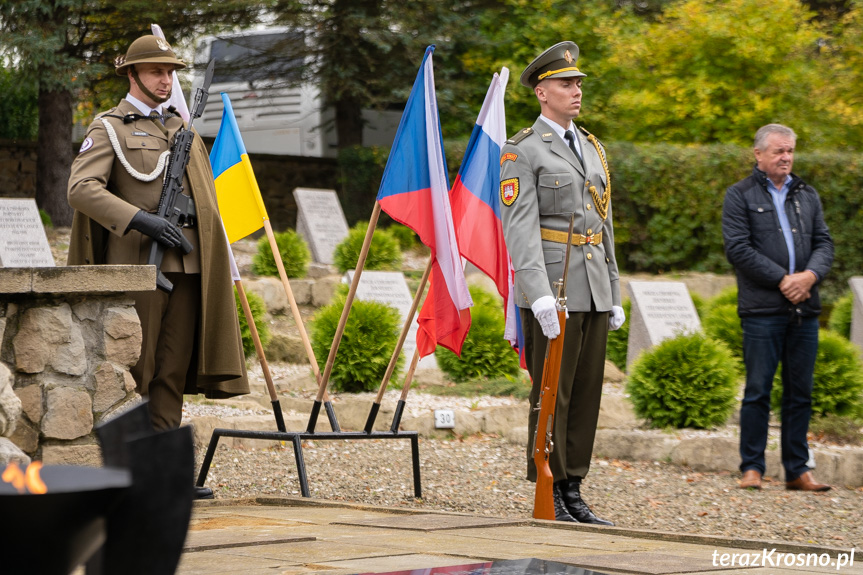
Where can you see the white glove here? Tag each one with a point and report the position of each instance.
(616, 317)
(545, 311)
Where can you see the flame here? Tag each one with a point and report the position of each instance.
(15, 476)
(27, 480)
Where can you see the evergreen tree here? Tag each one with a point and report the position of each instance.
(68, 47)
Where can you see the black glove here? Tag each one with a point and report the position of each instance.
(157, 228)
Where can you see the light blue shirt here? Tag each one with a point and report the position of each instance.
(142, 107)
(779, 197)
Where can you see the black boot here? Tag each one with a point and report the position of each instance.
(560, 512)
(571, 492)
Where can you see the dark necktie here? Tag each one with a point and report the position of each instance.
(570, 139)
(158, 121)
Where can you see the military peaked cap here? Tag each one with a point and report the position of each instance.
(559, 61)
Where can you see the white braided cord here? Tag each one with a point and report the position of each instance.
(115, 143)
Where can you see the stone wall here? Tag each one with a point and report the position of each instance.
(68, 337)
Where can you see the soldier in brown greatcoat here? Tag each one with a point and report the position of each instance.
(191, 336)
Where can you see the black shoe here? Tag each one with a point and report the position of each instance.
(571, 494)
(203, 493)
(560, 512)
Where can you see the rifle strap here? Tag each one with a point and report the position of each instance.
(118, 150)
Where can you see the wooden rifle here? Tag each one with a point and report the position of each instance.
(543, 503)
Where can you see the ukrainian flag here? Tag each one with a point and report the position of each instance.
(240, 203)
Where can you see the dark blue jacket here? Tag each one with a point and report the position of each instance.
(755, 246)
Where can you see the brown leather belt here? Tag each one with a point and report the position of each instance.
(577, 239)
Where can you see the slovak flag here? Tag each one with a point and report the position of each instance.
(476, 206)
(414, 192)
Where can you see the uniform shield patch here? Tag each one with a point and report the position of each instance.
(509, 191)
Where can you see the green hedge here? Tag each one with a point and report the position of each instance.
(485, 354)
(667, 201)
(686, 381)
(371, 334)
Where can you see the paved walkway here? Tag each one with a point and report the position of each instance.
(304, 536)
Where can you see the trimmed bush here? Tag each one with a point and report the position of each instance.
(722, 323)
(686, 381)
(840, 316)
(258, 309)
(294, 252)
(838, 379)
(728, 296)
(370, 336)
(618, 340)
(384, 252)
(699, 303)
(485, 353)
(405, 236)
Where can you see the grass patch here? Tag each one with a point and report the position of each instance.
(839, 429)
(518, 388)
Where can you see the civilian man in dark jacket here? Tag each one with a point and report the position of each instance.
(780, 247)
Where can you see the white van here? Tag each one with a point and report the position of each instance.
(277, 112)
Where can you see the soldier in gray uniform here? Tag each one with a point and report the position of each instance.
(548, 172)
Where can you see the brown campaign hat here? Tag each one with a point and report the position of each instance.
(559, 61)
(147, 49)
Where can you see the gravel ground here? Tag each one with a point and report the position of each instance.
(484, 475)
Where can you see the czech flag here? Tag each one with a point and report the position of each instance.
(414, 191)
(476, 205)
(240, 203)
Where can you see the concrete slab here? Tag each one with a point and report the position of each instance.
(397, 563)
(215, 563)
(337, 538)
(563, 538)
(432, 522)
(316, 551)
(226, 539)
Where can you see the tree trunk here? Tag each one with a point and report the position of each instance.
(349, 123)
(54, 154)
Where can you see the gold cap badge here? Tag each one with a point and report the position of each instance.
(568, 57)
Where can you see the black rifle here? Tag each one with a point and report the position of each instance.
(175, 206)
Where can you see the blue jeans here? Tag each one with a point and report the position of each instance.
(767, 340)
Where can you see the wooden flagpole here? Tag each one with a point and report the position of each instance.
(259, 349)
(400, 407)
(373, 412)
(343, 320)
(298, 319)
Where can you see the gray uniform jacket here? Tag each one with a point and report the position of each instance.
(542, 183)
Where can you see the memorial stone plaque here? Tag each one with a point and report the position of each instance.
(856, 284)
(392, 288)
(321, 221)
(23, 243)
(660, 310)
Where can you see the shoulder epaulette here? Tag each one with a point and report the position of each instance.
(586, 133)
(109, 113)
(521, 135)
